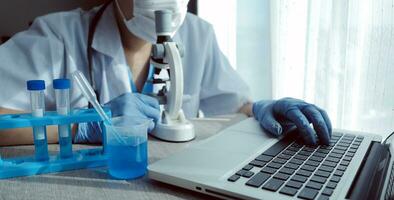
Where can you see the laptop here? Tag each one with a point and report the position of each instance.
(243, 162)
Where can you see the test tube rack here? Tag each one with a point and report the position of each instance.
(28, 165)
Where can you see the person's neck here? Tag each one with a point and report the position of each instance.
(136, 50)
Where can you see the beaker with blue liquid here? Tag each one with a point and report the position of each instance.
(127, 147)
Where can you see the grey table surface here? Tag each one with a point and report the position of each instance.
(97, 184)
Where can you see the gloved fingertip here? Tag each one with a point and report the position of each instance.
(276, 129)
(151, 127)
(273, 129)
(313, 141)
(326, 141)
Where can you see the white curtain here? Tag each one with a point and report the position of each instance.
(339, 55)
(222, 15)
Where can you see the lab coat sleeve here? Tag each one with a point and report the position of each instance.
(31, 54)
(222, 89)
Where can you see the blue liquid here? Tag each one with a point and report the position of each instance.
(127, 162)
(66, 150)
(41, 149)
(65, 142)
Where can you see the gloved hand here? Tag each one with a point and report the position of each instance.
(129, 104)
(278, 116)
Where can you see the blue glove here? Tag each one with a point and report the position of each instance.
(276, 117)
(129, 104)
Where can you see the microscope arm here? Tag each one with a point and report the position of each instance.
(174, 96)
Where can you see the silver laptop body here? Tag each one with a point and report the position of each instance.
(206, 166)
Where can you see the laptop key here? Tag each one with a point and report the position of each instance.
(340, 148)
(330, 164)
(279, 160)
(336, 134)
(335, 155)
(297, 145)
(269, 170)
(354, 146)
(308, 193)
(323, 197)
(257, 163)
(248, 174)
(277, 148)
(360, 138)
(332, 159)
(287, 171)
(282, 176)
(309, 148)
(335, 179)
(248, 167)
(312, 163)
(296, 161)
(318, 179)
(288, 152)
(292, 166)
(294, 184)
(331, 185)
(338, 173)
(340, 152)
(322, 173)
(314, 185)
(233, 178)
(258, 179)
(288, 191)
(300, 157)
(264, 158)
(308, 168)
(327, 191)
(341, 167)
(326, 151)
(320, 154)
(326, 168)
(274, 165)
(273, 184)
(345, 163)
(332, 143)
(347, 158)
(241, 172)
(293, 148)
(316, 158)
(299, 178)
(284, 156)
(304, 173)
(349, 154)
(343, 144)
(352, 150)
(305, 153)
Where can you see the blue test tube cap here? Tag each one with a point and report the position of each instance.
(62, 83)
(36, 85)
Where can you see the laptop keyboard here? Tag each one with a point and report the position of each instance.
(297, 170)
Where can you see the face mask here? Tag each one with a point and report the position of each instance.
(142, 24)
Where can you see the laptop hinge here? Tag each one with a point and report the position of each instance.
(371, 175)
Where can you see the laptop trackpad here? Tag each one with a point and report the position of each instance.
(232, 141)
(216, 156)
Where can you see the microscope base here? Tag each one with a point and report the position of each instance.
(179, 132)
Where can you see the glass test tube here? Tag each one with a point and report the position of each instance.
(37, 101)
(62, 92)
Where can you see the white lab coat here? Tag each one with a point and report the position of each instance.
(55, 46)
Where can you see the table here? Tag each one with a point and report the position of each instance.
(95, 184)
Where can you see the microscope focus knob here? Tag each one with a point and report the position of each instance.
(158, 51)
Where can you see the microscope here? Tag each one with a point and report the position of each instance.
(166, 55)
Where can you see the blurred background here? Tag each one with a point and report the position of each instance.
(334, 53)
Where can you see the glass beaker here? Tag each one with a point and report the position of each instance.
(127, 147)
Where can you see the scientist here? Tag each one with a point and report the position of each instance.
(111, 45)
